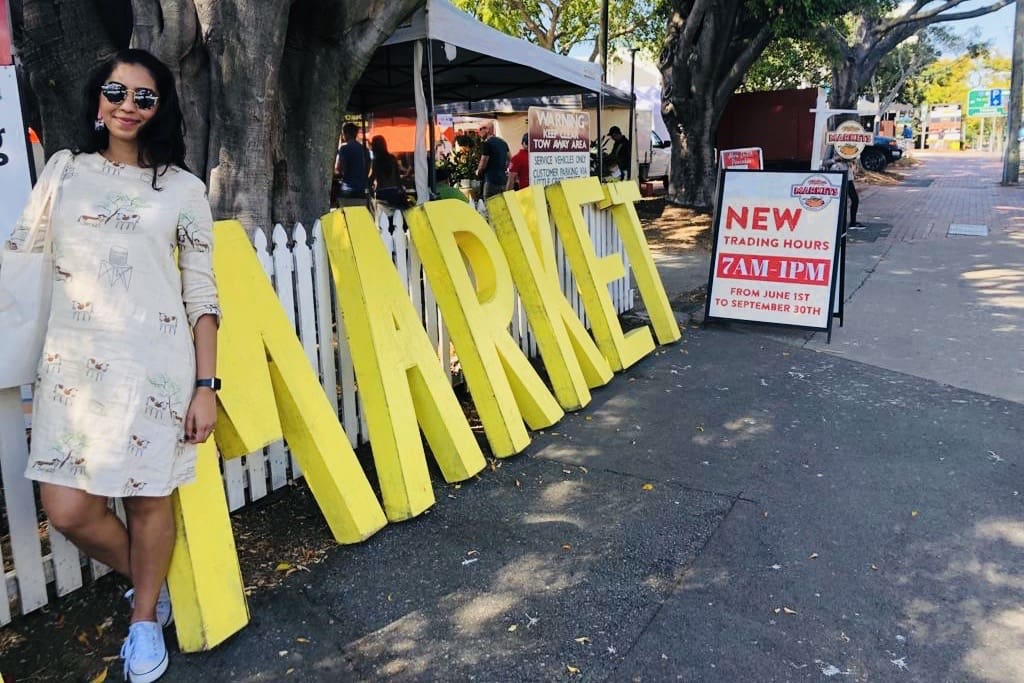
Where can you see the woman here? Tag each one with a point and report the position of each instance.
(126, 383)
(385, 175)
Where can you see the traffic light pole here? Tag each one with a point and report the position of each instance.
(1011, 161)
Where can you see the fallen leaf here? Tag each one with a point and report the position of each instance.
(913, 513)
(566, 546)
(566, 471)
(282, 567)
(83, 638)
(512, 628)
(647, 487)
(582, 640)
(777, 610)
(786, 610)
(813, 556)
(289, 672)
(471, 553)
(874, 568)
(588, 418)
(100, 677)
(302, 640)
(700, 428)
(583, 469)
(572, 669)
(282, 653)
(518, 485)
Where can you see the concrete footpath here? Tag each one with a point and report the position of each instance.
(746, 505)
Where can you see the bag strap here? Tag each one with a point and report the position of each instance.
(46, 212)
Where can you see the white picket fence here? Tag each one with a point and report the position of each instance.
(297, 265)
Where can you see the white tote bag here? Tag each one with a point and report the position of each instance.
(26, 284)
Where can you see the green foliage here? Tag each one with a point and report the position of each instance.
(788, 63)
(561, 25)
(464, 159)
(948, 81)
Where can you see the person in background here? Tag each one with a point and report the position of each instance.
(406, 169)
(848, 167)
(350, 164)
(907, 132)
(620, 150)
(519, 167)
(385, 178)
(444, 189)
(493, 166)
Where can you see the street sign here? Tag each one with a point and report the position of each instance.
(987, 102)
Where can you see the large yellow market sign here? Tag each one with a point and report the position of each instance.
(272, 392)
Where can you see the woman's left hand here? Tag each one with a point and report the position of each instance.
(201, 415)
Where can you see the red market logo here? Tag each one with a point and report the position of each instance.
(815, 193)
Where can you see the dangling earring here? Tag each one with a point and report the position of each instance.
(99, 125)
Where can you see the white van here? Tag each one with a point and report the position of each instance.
(661, 156)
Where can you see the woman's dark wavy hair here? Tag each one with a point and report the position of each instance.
(162, 139)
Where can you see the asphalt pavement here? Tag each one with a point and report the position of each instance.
(749, 504)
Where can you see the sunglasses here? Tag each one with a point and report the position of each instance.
(116, 93)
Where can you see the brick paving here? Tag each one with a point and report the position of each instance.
(964, 189)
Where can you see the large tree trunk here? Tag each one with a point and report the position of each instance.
(708, 49)
(263, 84)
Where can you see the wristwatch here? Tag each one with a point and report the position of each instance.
(209, 382)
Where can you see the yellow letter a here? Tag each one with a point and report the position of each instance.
(400, 377)
(506, 389)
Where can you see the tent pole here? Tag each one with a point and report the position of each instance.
(600, 135)
(431, 118)
(632, 112)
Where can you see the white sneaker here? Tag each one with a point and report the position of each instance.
(164, 614)
(143, 652)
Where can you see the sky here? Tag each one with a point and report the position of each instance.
(996, 27)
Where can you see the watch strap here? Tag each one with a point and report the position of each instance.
(209, 382)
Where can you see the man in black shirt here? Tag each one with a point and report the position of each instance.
(620, 150)
(493, 167)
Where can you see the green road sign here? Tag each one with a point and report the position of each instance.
(987, 102)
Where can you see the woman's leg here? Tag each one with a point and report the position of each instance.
(151, 529)
(88, 523)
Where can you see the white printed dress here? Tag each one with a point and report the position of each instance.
(132, 275)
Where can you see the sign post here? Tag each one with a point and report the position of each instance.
(775, 256)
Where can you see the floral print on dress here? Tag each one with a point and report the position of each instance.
(188, 234)
(67, 452)
(115, 269)
(81, 310)
(133, 265)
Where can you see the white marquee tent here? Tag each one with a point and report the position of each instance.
(443, 55)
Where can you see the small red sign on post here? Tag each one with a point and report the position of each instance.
(750, 158)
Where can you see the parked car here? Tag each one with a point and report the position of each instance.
(883, 152)
(661, 157)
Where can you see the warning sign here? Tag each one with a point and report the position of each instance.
(776, 248)
(559, 145)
